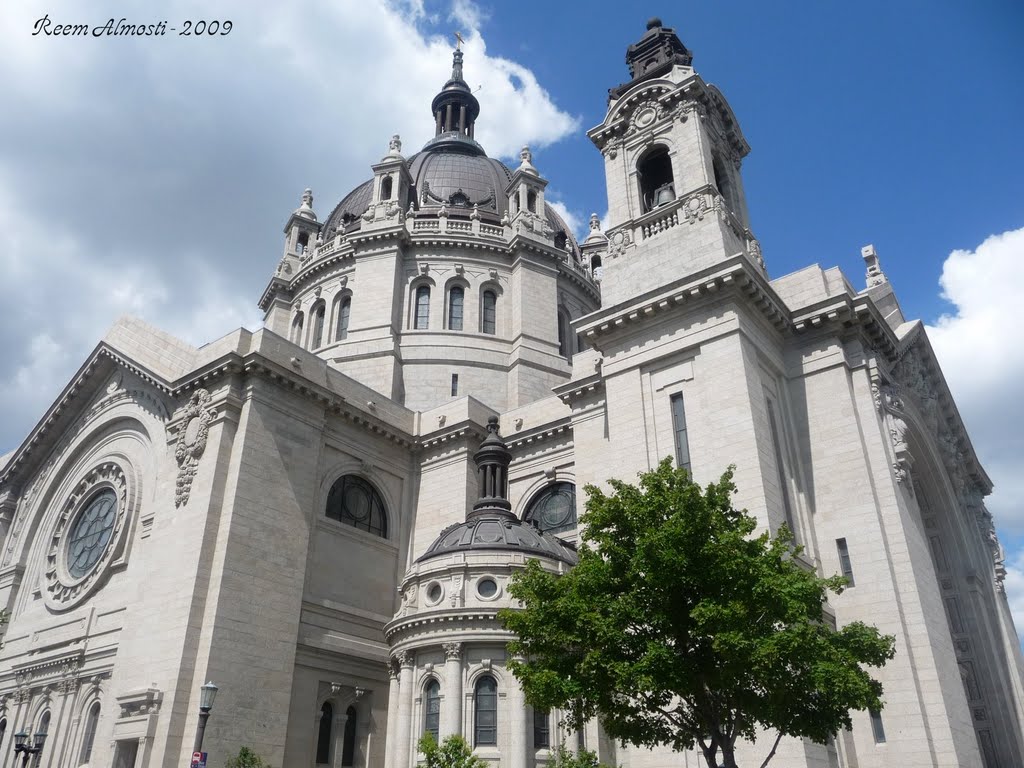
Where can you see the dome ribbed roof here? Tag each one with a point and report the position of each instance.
(490, 534)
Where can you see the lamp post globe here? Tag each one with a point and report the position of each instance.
(207, 695)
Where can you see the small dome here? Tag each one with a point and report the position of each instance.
(489, 534)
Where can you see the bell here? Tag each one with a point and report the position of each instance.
(666, 193)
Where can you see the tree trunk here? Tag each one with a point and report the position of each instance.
(728, 756)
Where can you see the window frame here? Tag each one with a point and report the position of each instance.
(485, 735)
(432, 700)
(456, 321)
(336, 502)
(343, 310)
(421, 305)
(680, 431)
(493, 312)
(92, 720)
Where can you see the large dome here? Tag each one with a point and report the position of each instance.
(455, 173)
(452, 171)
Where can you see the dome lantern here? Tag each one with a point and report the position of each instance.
(455, 108)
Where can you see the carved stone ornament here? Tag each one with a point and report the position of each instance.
(63, 590)
(645, 115)
(452, 651)
(619, 241)
(694, 208)
(192, 434)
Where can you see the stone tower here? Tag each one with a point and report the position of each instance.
(672, 149)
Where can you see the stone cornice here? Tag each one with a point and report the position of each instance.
(578, 389)
(549, 431)
(735, 275)
(103, 357)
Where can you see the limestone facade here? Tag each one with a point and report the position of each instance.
(254, 512)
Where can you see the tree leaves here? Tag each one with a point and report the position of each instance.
(680, 627)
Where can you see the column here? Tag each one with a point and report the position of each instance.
(392, 729)
(519, 741)
(402, 752)
(452, 710)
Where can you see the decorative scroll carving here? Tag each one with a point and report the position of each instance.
(192, 434)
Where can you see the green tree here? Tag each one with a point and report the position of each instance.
(246, 758)
(680, 627)
(584, 758)
(453, 752)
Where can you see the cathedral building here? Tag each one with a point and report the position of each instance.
(322, 516)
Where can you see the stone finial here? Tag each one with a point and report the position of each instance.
(305, 209)
(595, 223)
(526, 158)
(395, 145)
(875, 275)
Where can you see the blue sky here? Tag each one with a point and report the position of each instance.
(153, 176)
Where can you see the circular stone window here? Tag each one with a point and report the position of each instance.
(89, 536)
(434, 593)
(487, 588)
(90, 533)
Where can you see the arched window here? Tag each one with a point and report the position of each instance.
(303, 243)
(485, 704)
(297, 328)
(432, 709)
(563, 335)
(456, 301)
(341, 323)
(595, 267)
(355, 502)
(489, 317)
(654, 172)
(553, 510)
(323, 735)
(318, 326)
(348, 748)
(91, 721)
(385, 188)
(3, 731)
(531, 201)
(422, 317)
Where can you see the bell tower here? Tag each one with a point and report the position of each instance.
(673, 151)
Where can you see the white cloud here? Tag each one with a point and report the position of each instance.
(153, 176)
(571, 219)
(982, 358)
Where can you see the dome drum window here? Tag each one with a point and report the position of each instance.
(435, 592)
(487, 588)
(355, 502)
(553, 510)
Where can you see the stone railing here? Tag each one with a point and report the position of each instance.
(446, 225)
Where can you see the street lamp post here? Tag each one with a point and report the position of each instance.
(25, 749)
(207, 694)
